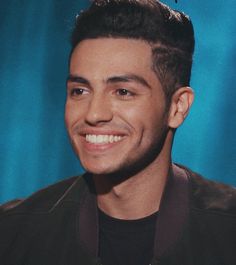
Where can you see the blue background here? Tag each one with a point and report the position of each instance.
(34, 47)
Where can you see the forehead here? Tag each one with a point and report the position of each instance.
(111, 55)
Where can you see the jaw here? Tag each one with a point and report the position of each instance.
(117, 168)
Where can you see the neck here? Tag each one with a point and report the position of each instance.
(138, 196)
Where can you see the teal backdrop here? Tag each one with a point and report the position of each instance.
(34, 47)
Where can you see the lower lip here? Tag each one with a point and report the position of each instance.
(98, 147)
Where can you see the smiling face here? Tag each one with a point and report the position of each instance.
(115, 109)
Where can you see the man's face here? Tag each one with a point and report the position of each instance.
(115, 110)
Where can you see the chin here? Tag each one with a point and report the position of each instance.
(98, 169)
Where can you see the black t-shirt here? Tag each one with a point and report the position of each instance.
(126, 242)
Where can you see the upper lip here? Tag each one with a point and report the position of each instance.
(101, 132)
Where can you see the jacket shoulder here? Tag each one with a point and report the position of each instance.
(41, 201)
(207, 194)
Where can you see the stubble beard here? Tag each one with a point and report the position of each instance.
(132, 166)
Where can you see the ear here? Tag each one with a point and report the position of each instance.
(180, 105)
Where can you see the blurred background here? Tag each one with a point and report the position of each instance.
(34, 48)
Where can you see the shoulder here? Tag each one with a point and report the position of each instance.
(43, 200)
(211, 196)
(46, 216)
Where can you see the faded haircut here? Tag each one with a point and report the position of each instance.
(169, 32)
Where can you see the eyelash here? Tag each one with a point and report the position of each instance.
(122, 93)
(126, 93)
(74, 91)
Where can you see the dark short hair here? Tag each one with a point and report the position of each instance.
(169, 32)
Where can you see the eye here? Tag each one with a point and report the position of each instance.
(78, 92)
(123, 92)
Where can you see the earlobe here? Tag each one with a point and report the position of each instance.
(180, 105)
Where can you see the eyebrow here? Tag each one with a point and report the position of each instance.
(77, 79)
(128, 78)
(113, 79)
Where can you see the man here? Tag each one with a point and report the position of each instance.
(127, 92)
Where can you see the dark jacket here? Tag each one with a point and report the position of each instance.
(59, 225)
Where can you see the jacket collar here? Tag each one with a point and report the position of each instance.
(173, 212)
(171, 219)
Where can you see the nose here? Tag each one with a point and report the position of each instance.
(99, 110)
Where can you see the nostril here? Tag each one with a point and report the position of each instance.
(98, 111)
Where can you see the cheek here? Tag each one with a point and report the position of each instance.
(146, 115)
(71, 115)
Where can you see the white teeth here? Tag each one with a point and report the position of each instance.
(111, 138)
(102, 139)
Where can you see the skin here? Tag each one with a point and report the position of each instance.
(112, 90)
